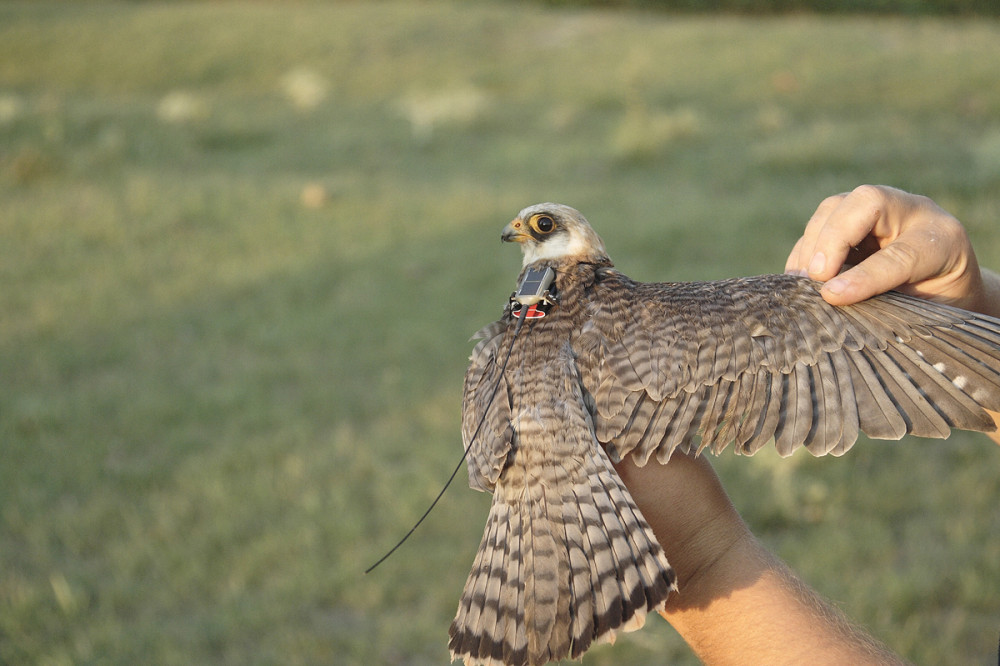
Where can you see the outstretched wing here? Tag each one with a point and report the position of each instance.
(698, 365)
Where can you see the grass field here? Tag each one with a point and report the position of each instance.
(242, 248)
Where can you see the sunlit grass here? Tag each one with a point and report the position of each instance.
(244, 248)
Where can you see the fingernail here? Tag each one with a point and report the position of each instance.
(836, 286)
(796, 271)
(817, 263)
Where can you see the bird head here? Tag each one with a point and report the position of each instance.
(554, 231)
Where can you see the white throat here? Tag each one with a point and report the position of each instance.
(565, 245)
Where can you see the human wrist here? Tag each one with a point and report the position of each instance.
(747, 606)
(721, 556)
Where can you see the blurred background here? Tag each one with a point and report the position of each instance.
(243, 247)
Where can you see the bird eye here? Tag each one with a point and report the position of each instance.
(543, 224)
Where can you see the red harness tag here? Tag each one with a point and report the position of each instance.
(536, 311)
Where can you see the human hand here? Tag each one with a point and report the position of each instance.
(894, 240)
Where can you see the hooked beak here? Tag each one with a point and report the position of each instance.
(514, 232)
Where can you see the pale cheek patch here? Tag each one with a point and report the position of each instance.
(564, 245)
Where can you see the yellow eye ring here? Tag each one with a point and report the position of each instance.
(543, 224)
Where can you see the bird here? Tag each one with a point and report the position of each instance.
(606, 367)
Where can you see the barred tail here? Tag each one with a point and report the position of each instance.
(565, 563)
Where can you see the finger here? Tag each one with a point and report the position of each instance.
(798, 260)
(794, 263)
(848, 225)
(896, 264)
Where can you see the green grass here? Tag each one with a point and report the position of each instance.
(243, 248)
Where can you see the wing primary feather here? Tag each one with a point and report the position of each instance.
(750, 420)
(827, 429)
(611, 433)
(951, 401)
(986, 329)
(632, 434)
(715, 413)
(662, 419)
(796, 411)
(681, 427)
(972, 346)
(878, 413)
(849, 421)
(974, 379)
(771, 410)
(739, 399)
(930, 401)
(921, 419)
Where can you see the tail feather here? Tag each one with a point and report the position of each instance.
(492, 617)
(515, 640)
(580, 589)
(546, 570)
(563, 572)
(631, 547)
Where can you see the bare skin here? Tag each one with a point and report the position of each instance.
(892, 240)
(738, 603)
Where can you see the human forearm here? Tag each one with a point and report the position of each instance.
(737, 603)
(750, 608)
